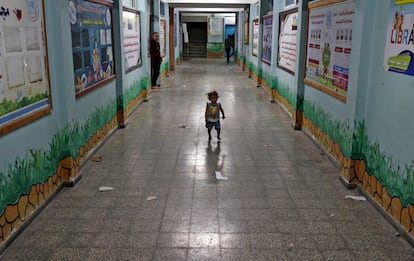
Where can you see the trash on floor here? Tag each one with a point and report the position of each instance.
(358, 198)
(397, 234)
(219, 176)
(105, 188)
(149, 198)
(96, 158)
(184, 126)
(331, 215)
(291, 245)
(268, 145)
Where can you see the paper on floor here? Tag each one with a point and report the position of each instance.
(105, 188)
(359, 198)
(219, 176)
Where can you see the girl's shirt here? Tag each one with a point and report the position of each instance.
(213, 111)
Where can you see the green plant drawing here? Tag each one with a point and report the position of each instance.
(216, 48)
(39, 164)
(7, 106)
(355, 143)
(134, 90)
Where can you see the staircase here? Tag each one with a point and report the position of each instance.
(197, 35)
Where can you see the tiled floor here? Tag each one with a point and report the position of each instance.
(280, 202)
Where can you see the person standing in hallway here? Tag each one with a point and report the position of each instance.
(156, 60)
(212, 114)
(228, 44)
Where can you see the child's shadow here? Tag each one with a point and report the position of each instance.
(214, 159)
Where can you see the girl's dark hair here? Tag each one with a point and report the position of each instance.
(212, 94)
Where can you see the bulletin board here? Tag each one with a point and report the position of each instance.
(267, 39)
(163, 37)
(288, 28)
(255, 40)
(246, 32)
(24, 73)
(92, 44)
(329, 45)
(131, 39)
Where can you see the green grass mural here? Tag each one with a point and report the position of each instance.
(39, 164)
(7, 106)
(216, 48)
(134, 90)
(356, 144)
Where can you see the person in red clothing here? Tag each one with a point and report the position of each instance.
(156, 59)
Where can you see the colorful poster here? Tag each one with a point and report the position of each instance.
(255, 40)
(287, 41)
(267, 39)
(162, 39)
(132, 39)
(329, 45)
(399, 46)
(24, 75)
(215, 26)
(91, 29)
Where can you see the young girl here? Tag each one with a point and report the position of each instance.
(212, 114)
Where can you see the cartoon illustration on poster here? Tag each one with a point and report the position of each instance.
(287, 41)
(132, 40)
(329, 45)
(255, 40)
(399, 46)
(24, 75)
(91, 29)
(267, 39)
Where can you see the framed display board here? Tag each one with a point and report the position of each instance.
(24, 73)
(246, 32)
(255, 40)
(132, 39)
(288, 27)
(267, 39)
(92, 45)
(215, 25)
(329, 45)
(162, 39)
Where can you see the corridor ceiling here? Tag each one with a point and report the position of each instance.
(209, 5)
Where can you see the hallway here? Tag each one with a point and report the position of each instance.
(282, 199)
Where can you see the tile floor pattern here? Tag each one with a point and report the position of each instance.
(282, 202)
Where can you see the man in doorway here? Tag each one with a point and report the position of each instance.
(228, 44)
(156, 60)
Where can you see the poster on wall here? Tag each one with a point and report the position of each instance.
(329, 47)
(246, 32)
(215, 26)
(92, 45)
(267, 39)
(288, 28)
(24, 74)
(399, 46)
(131, 39)
(162, 39)
(255, 40)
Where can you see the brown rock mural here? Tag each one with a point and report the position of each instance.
(67, 170)
(354, 171)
